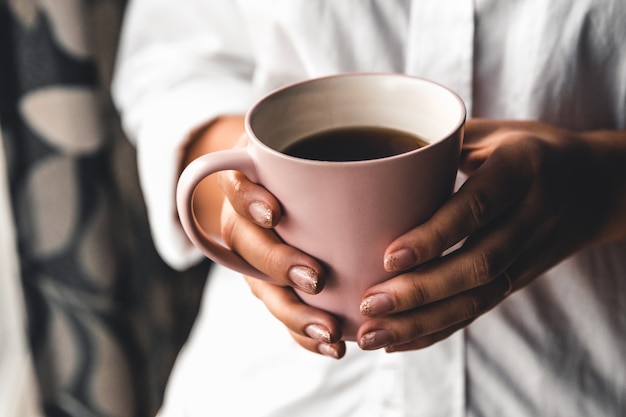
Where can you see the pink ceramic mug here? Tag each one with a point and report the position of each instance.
(344, 214)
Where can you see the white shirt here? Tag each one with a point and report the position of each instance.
(555, 348)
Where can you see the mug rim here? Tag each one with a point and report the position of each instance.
(458, 125)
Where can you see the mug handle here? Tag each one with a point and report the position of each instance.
(234, 159)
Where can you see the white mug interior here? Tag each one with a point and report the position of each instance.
(405, 103)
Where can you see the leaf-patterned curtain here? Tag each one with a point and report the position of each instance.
(105, 315)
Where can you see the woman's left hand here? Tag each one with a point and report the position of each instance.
(535, 194)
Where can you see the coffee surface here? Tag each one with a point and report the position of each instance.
(354, 144)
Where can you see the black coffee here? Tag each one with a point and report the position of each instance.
(354, 144)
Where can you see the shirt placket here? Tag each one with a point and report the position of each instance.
(440, 47)
(440, 44)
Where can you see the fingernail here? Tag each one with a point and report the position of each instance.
(376, 339)
(400, 259)
(317, 332)
(304, 278)
(377, 304)
(328, 350)
(261, 213)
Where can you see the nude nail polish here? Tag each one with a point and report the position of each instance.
(328, 350)
(317, 332)
(304, 278)
(377, 304)
(261, 213)
(376, 339)
(400, 260)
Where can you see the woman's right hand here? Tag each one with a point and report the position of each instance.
(248, 215)
(244, 215)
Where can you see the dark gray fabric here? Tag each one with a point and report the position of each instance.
(106, 315)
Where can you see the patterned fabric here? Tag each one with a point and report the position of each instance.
(106, 316)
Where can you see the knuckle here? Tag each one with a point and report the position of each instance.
(237, 186)
(543, 157)
(474, 307)
(541, 149)
(417, 328)
(419, 294)
(227, 231)
(484, 268)
(481, 207)
(232, 183)
(269, 261)
(438, 240)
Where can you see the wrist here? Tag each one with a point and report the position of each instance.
(609, 152)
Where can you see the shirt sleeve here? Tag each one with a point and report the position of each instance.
(180, 64)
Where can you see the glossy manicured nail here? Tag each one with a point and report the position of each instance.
(261, 213)
(317, 332)
(304, 278)
(400, 259)
(376, 339)
(377, 304)
(328, 350)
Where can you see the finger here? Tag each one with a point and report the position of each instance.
(483, 136)
(428, 340)
(479, 143)
(492, 190)
(263, 249)
(483, 257)
(306, 322)
(312, 329)
(477, 129)
(250, 200)
(518, 275)
(335, 350)
(432, 321)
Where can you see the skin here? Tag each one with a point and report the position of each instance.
(535, 194)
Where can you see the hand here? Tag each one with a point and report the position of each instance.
(248, 214)
(535, 195)
(313, 329)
